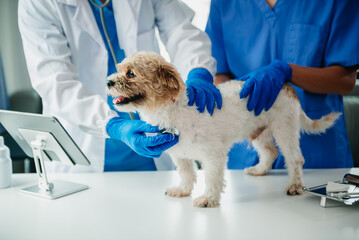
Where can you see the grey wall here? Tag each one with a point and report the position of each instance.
(12, 54)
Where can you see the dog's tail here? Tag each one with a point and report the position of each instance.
(317, 126)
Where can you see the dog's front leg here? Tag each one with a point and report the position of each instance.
(214, 174)
(185, 168)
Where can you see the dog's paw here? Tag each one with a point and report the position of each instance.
(177, 192)
(255, 171)
(204, 201)
(294, 189)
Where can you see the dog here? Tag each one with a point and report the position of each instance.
(146, 83)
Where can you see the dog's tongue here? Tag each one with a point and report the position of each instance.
(118, 99)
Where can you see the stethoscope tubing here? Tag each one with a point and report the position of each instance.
(101, 7)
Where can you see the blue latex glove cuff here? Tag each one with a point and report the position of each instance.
(200, 73)
(283, 67)
(200, 90)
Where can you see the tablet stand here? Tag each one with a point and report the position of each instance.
(45, 146)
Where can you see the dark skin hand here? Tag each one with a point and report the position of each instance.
(329, 80)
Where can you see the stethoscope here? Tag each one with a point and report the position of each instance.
(101, 7)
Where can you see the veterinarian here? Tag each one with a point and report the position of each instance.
(69, 59)
(312, 45)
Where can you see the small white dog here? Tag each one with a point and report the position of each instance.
(146, 83)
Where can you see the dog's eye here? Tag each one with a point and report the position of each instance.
(130, 74)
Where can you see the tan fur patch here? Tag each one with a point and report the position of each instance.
(289, 91)
(330, 117)
(241, 83)
(235, 83)
(257, 132)
(315, 124)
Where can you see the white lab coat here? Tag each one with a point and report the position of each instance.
(67, 59)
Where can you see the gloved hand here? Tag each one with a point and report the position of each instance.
(200, 89)
(132, 132)
(264, 85)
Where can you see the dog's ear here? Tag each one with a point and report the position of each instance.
(169, 77)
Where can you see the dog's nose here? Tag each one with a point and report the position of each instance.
(110, 83)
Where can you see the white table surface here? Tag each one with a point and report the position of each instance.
(132, 205)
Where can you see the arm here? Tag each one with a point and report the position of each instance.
(334, 79)
(221, 78)
(215, 32)
(329, 80)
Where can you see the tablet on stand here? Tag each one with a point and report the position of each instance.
(44, 139)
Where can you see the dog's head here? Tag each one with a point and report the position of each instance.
(144, 80)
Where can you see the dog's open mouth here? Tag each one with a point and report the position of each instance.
(124, 100)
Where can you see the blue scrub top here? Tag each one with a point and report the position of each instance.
(118, 156)
(248, 34)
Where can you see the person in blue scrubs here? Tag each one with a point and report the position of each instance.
(312, 45)
(126, 154)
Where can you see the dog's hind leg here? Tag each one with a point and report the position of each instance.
(185, 168)
(287, 138)
(214, 178)
(267, 152)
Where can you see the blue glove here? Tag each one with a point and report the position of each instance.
(200, 89)
(264, 85)
(132, 132)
